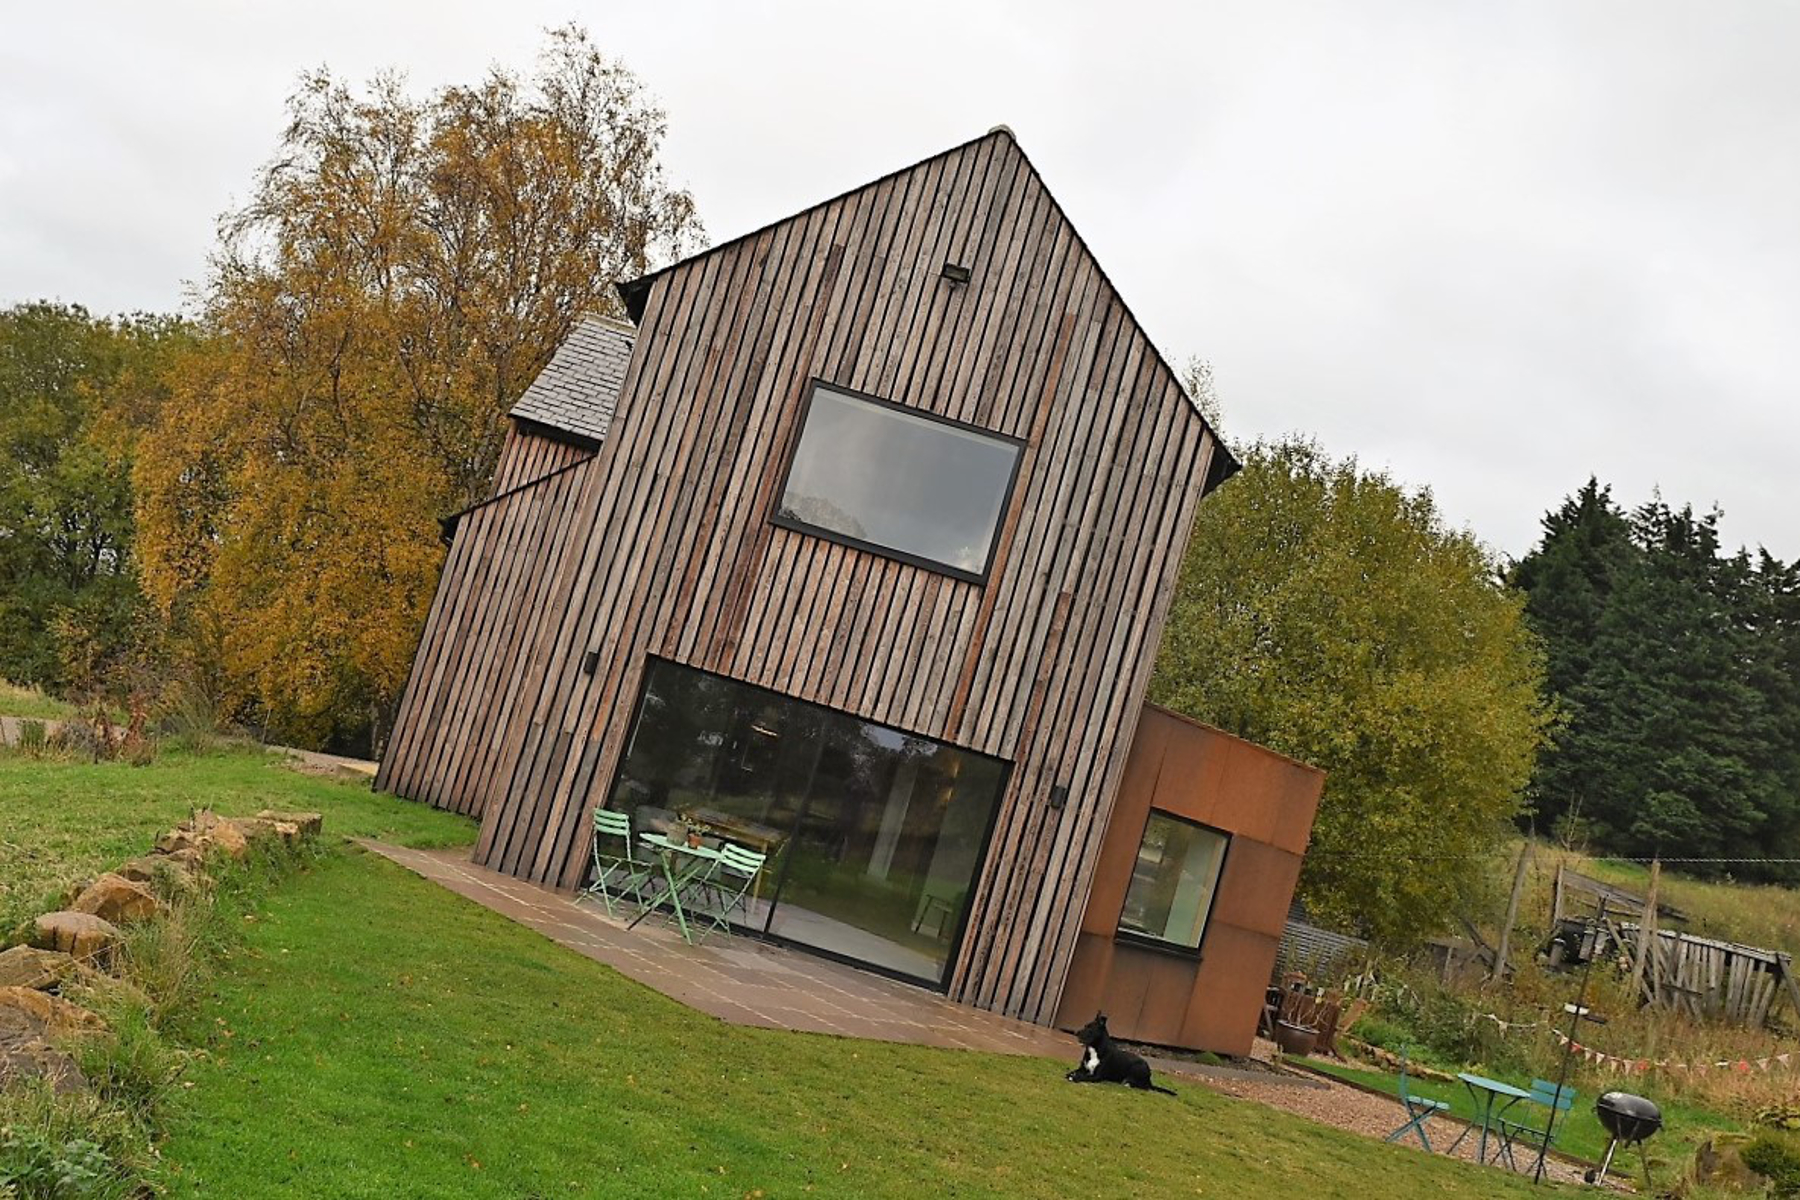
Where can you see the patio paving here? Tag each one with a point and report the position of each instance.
(738, 979)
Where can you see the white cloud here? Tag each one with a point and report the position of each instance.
(1495, 247)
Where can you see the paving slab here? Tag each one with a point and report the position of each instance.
(739, 979)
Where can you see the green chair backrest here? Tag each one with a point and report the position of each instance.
(740, 861)
(1406, 1093)
(610, 822)
(1545, 1093)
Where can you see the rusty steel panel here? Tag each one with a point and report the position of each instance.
(1265, 803)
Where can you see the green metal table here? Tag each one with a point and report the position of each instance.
(1487, 1094)
(667, 852)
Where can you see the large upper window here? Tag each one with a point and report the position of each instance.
(1173, 881)
(893, 480)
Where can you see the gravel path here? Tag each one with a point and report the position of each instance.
(1339, 1104)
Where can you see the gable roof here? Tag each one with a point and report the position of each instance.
(635, 292)
(577, 389)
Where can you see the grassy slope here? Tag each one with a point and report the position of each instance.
(61, 821)
(428, 1047)
(1764, 915)
(17, 700)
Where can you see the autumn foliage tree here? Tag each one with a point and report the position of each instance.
(1328, 613)
(402, 270)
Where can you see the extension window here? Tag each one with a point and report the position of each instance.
(1173, 882)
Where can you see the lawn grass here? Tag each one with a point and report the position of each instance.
(378, 1036)
(18, 700)
(63, 821)
(1579, 1131)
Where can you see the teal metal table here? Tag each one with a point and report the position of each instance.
(1487, 1095)
(667, 852)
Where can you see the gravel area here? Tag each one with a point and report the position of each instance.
(1335, 1103)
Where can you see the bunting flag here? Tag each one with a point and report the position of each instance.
(1643, 1066)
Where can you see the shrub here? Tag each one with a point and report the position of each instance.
(1776, 1156)
(67, 1147)
(1378, 1032)
(33, 738)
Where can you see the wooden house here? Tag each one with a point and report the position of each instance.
(855, 543)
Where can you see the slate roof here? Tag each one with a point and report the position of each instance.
(576, 392)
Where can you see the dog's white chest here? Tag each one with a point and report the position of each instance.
(1092, 1061)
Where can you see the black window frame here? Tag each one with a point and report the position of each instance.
(782, 521)
(1132, 937)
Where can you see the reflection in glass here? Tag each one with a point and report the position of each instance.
(875, 835)
(1173, 881)
(898, 480)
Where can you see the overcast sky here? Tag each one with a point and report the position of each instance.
(1492, 247)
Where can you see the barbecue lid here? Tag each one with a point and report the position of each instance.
(1628, 1118)
(1625, 1104)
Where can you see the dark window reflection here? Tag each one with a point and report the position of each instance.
(875, 835)
(898, 480)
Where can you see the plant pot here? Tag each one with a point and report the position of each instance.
(1297, 1040)
(693, 839)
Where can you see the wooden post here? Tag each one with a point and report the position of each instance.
(1512, 910)
(1646, 938)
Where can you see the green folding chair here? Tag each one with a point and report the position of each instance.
(617, 875)
(1418, 1109)
(729, 882)
(1537, 1137)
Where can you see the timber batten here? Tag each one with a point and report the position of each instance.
(660, 543)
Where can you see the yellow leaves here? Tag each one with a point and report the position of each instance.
(1325, 612)
(402, 270)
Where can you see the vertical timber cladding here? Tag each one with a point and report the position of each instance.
(528, 454)
(473, 654)
(672, 552)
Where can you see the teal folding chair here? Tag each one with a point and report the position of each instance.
(617, 875)
(1418, 1110)
(729, 883)
(1535, 1136)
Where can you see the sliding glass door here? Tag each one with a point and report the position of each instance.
(874, 835)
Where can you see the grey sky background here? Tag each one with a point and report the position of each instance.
(1492, 247)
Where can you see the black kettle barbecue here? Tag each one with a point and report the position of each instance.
(1628, 1119)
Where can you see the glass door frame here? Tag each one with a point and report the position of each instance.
(942, 984)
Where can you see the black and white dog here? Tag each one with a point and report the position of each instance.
(1105, 1061)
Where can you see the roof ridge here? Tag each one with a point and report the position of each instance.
(634, 291)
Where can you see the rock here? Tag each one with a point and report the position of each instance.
(189, 860)
(229, 838)
(117, 899)
(59, 1017)
(204, 834)
(27, 966)
(1719, 1164)
(182, 840)
(310, 823)
(162, 873)
(264, 828)
(223, 833)
(146, 868)
(87, 937)
(26, 1053)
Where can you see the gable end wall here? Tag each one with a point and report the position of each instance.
(661, 543)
